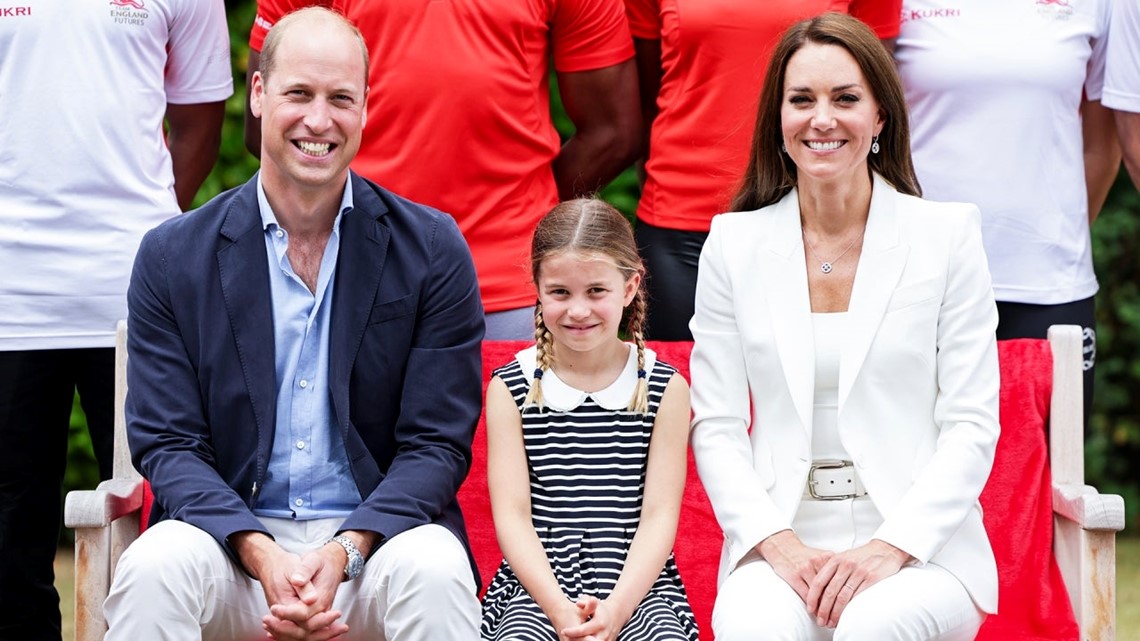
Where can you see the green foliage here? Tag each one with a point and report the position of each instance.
(1114, 444)
(235, 165)
(82, 471)
(624, 191)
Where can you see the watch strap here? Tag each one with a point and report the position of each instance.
(355, 564)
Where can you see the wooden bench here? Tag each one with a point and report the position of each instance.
(1076, 567)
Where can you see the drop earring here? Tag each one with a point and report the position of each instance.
(875, 145)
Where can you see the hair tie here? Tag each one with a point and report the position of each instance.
(641, 373)
(538, 373)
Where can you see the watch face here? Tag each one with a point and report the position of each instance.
(355, 566)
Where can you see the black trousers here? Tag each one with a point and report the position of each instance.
(36, 393)
(671, 257)
(1024, 320)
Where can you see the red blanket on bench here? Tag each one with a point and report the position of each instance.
(1017, 502)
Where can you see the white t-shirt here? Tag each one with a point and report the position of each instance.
(84, 168)
(994, 89)
(1122, 75)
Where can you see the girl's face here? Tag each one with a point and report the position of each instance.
(829, 115)
(582, 298)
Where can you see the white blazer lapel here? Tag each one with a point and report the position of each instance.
(783, 277)
(880, 267)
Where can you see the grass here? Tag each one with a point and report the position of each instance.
(65, 584)
(1127, 589)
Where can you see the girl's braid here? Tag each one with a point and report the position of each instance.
(639, 402)
(544, 346)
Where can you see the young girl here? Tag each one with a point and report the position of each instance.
(586, 439)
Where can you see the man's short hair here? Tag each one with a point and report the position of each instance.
(277, 32)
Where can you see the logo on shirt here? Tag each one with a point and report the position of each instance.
(911, 15)
(129, 12)
(1055, 9)
(262, 22)
(12, 12)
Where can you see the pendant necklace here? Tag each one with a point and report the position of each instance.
(825, 266)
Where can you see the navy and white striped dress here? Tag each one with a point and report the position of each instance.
(587, 457)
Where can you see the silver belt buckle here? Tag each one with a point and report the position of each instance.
(829, 464)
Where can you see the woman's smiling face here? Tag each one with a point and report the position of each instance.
(828, 115)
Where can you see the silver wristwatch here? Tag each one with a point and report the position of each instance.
(355, 564)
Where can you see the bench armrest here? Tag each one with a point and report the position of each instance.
(1089, 509)
(109, 502)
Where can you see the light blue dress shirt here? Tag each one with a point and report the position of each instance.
(308, 475)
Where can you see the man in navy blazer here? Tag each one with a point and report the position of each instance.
(304, 387)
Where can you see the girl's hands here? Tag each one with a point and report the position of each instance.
(598, 622)
(567, 617)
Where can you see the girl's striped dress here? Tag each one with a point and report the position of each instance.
(587, 456)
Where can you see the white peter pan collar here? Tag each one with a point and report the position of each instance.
(560, 397)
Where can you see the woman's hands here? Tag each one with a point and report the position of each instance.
(848, 573)
(827, 581)
(795, 563)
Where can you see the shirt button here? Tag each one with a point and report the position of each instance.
(303, 383)
(300, 445)
(280, 233)
(298, 502)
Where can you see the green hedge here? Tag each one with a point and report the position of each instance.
(1115, 440)
(1114, 445)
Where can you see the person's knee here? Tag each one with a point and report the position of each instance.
(754, 603)
(858, 623)
(760, 617)
(766, 626)
(428, 560)
(169, 554)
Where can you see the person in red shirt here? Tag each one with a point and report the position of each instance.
(700, 66)
(459, 118)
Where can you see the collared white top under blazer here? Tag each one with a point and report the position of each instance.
(918, 385)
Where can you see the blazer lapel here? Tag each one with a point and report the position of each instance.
(783, 277)
(244, 274)
(363, 250)
(880, 267)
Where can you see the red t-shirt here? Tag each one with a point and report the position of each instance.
(459, 111)
(714, 54)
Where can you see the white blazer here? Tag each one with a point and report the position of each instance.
(918, 378)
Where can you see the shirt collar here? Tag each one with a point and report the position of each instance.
(268, 218)
(560, 397)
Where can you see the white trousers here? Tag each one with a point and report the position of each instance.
(917, 604)
(176, 584)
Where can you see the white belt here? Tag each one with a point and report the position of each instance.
(833, 480)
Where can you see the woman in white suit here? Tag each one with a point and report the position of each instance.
(845, 375)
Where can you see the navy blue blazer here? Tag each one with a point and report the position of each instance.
(404, 371)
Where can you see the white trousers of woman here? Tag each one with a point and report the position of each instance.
(176, 584)
(917, 604)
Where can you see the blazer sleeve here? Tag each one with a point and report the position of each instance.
(721, 409)
(965, 408)
(441, 396)
(167, 428)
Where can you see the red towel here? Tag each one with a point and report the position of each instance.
(1033, 604)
